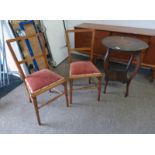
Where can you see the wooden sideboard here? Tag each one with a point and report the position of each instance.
(101, 31)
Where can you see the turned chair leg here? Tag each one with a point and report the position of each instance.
(66, 93)
(99, 87)
(34, 100)
(71, 89)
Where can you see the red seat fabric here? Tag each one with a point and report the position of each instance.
(41, 79)
(82, 67)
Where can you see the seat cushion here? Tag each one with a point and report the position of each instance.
(41, 79)
(82, 67)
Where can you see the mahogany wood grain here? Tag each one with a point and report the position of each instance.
(101, 31)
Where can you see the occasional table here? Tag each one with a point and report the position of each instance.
(124, 44)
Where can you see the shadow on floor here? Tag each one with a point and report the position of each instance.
(14, 82)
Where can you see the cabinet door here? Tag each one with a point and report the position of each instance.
(99, 48)
(149, 55)
(82, 40)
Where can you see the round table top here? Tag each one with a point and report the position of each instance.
(126, 44)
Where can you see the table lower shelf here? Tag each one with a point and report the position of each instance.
(117, 75)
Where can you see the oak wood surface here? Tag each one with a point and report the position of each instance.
(33, 95)
(88, 48)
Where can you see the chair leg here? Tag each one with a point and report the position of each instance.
(28, 95)
(71, 89)
(30, 99)
(89, 80)
(66, 93)
(34, 100)
(99, 87)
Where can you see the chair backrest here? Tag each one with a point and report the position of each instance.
(29, 57)
(88, 42)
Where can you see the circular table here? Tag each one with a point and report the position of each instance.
(124, 44)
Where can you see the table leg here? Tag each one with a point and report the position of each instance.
(152, 75)
(137, 67)
(129, 63)
(106, 69)
(105, 85)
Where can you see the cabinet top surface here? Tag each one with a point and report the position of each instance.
(122, 29)
(126, 44)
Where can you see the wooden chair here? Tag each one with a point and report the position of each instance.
(82, 69)
(40, 81)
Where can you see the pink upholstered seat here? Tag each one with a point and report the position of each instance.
(82, 67)
(41, 79)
